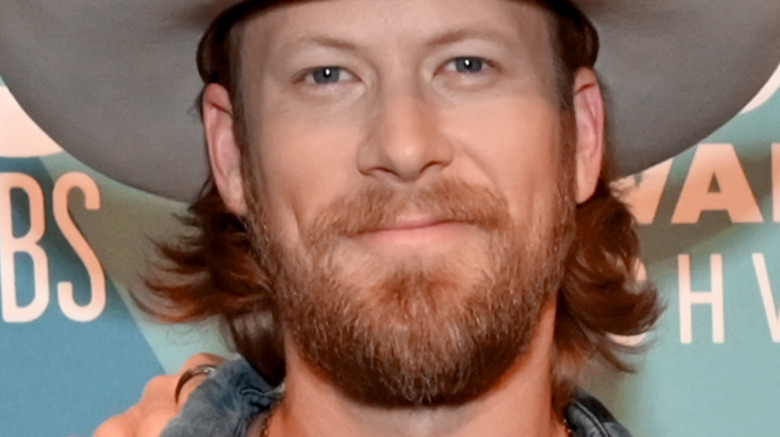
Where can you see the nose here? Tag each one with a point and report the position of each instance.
(405, 140)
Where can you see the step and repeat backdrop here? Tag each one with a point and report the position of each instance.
(75, 350)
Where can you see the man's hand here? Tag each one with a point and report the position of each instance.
(157, 405)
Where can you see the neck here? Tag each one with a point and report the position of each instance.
(518, 405)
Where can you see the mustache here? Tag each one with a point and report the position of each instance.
(377, 207)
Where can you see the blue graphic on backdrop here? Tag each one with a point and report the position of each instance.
(60, 375)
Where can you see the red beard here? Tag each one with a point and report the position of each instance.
(430, 329)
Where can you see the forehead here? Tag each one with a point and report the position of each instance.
(413, 22)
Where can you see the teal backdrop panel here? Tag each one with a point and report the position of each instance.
(75, 349)
(711, 242)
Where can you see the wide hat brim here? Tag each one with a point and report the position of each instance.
(114, 81)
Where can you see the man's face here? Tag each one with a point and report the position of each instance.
(406, 180)
(423, 91)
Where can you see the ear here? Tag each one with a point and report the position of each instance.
(589, 116)
(224, 153)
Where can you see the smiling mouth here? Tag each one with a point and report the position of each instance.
(423, 230)
(414, 224)
(404, 224)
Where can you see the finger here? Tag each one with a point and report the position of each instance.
(149, 421)
(158, 386)
(196, 378)
(154, 421)
(162, 389)
(149, 417)
(157, 405)
(199, 359)
(122, 425)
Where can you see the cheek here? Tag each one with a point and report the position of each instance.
(515, 147)
(302, 167)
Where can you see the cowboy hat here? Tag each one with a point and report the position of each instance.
(114, 81)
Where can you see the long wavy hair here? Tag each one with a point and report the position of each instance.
(213, 272)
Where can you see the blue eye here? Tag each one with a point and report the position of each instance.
(468, 64)
(326, 75)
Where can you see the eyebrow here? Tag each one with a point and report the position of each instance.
(320, 41)
(442, 39)
(456, 35)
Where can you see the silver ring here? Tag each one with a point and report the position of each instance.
(203, 369)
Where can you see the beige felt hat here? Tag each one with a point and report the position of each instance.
(114, 81)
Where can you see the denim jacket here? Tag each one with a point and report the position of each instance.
(231, 398)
